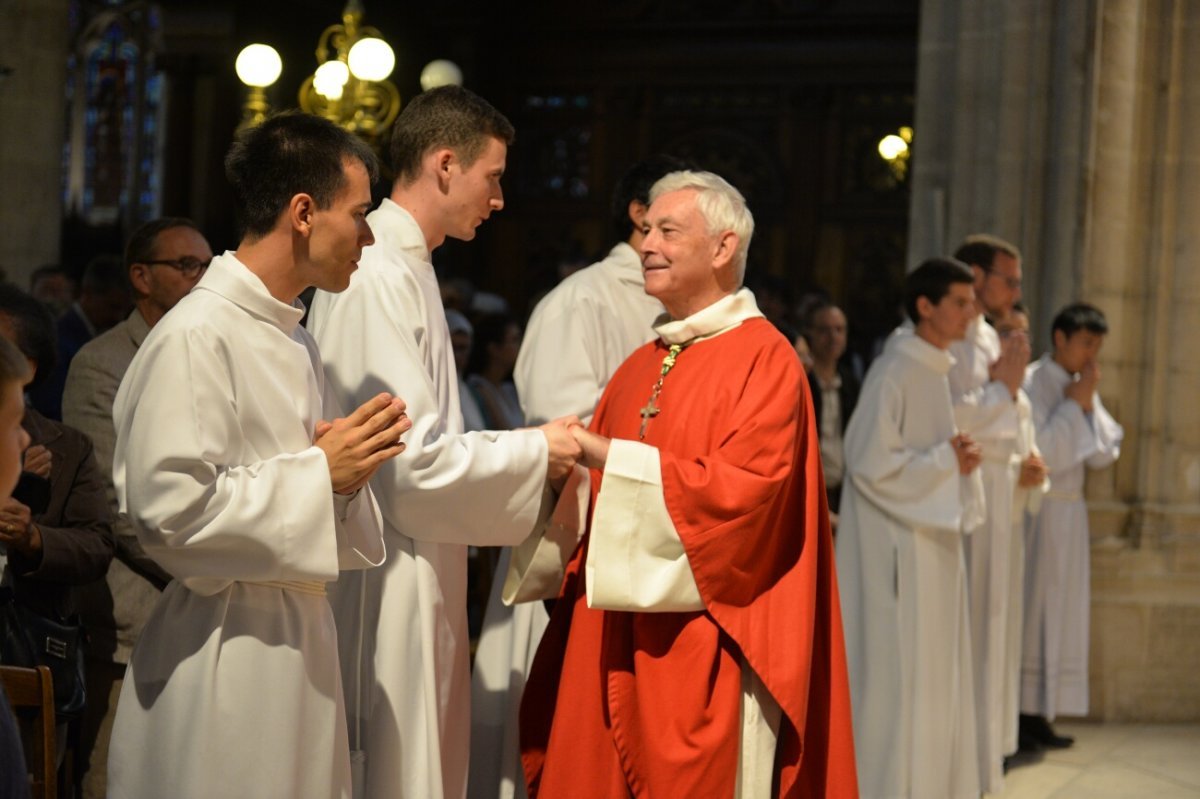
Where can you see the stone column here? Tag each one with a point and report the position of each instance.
(33, 44)
(1068, 128)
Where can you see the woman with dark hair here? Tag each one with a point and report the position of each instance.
(489, 371)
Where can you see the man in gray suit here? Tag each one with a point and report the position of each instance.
(165, 258)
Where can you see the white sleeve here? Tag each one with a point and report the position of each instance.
(917, 487)
(479, 488)
(200, 511)
(1109, 435)
(635, 558)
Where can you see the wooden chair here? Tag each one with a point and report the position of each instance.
(33, 688)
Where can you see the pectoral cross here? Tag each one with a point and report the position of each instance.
(649, 412)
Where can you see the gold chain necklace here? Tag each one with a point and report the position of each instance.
(651, 410)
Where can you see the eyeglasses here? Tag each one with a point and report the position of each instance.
(1013, 283)
(188, 266)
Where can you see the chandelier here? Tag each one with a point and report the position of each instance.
(350, 85)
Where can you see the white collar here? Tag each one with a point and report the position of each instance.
(724, 314)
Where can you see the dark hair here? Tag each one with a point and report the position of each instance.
(979, 249)
(34, 328)
(932, 280)
(104, 273)
(288, 154)
(13, 366)
(635, 185)
(448, 116)
(1079, 316)
(490, 329)
(816, 305)
(143, 242)
(47, 270)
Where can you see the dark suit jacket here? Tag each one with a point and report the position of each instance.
(847, 394)
(77, 536)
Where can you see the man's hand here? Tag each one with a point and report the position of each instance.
(1084, 389)
(1033, 472)
(1009, 368)
(564, 451)
(38, 461)
(17, 530)
(356, 445)
(967, 451)
(595, 448)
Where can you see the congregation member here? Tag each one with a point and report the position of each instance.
(834, 390)
(242, 480)
(1031, 485)
(495, 344)
(402, 629)
(910, 495)
(695, 648)
(56, 527)
(462, 337)
(164, 259)
(1075, 432)
(14, 373)
(104, 300)
(985, 382)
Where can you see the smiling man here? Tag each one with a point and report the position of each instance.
(238, 484)
(403, 628)
(696, 646)
(911, 493)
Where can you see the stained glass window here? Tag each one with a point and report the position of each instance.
(112, 163)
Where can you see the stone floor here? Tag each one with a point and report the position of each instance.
(1112, 761)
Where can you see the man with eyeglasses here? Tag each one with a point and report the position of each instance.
(165, 258)
(985, 383)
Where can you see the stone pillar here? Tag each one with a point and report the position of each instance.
(1068, 128)
(34, 45)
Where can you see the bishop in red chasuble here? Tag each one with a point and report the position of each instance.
(696, 646)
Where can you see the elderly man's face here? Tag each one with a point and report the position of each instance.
(679, 255)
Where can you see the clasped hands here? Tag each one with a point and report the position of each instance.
(1009, 368)
(17, 530)
(357, 445)
(569, 442)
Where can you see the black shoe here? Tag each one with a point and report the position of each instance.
(1027, 744)
(1037, 728)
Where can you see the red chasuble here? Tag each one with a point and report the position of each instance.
(648, 704)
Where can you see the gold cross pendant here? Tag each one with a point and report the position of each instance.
(648, 413)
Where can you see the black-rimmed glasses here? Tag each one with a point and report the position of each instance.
(190, 267)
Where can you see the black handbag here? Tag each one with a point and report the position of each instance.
(30, 639)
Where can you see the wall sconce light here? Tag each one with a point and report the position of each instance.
(894, 148)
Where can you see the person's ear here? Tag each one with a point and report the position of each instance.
(442, 161)
(637, 213)
(924, 308)
(1060, 340)
(725, 249)
(300, 213)
(139, 278)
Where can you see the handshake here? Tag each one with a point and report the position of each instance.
(569, 443)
